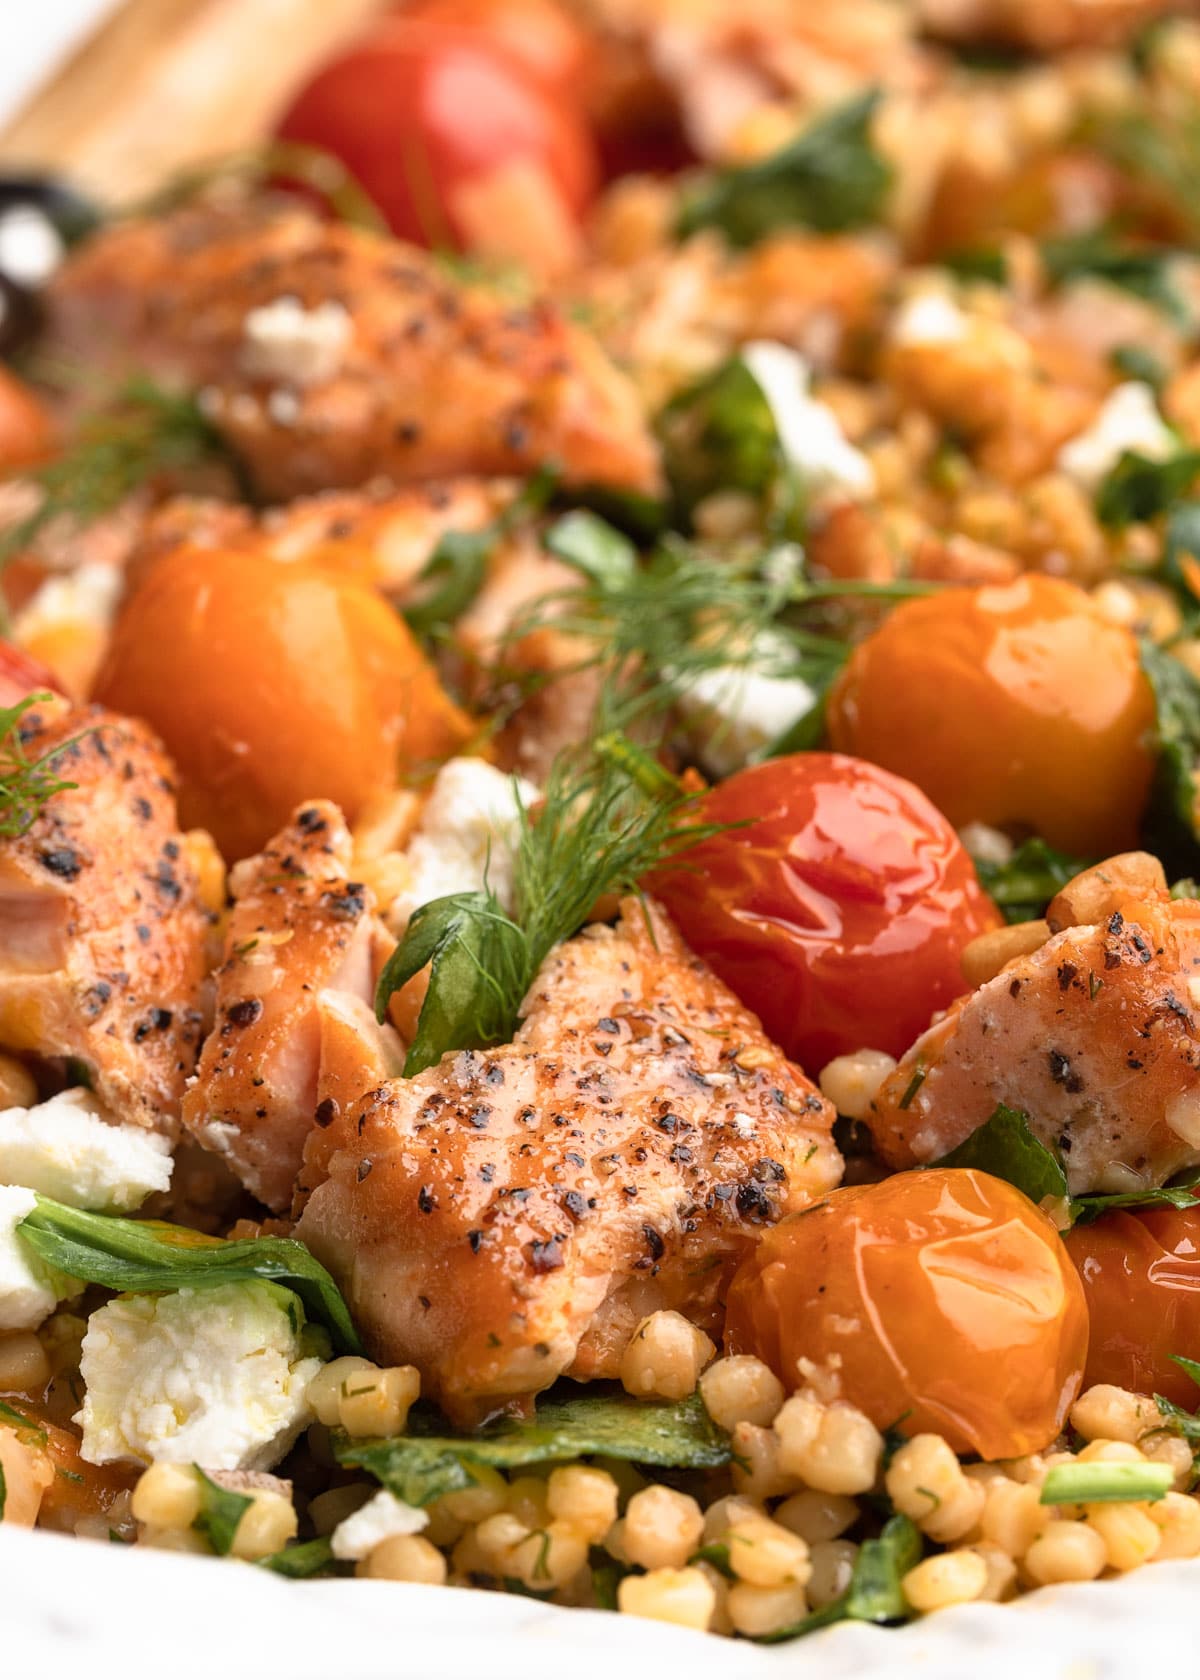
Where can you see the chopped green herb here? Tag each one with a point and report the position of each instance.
(427, 1462)
(1138, 488)
(134, 1255)
(590, 544)
(27, 784)
(30, 1432)
(1134, 361)
(829, 178)
(301, 1562)
(715, 1553)
(1024, 886)
(914, 1085)
(1169, 826)
(1145, 272)
(1180, 1194)
(221, 1510)
(1101, 1483)
(1006, 1147)
(607, 1575)
(875, 1593)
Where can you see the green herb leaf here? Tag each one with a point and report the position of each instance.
(1024, 886)
(479, 963)
(607, 1575)
(27, 784)
(1169, 827)
(829, 178)
(1144, 272)
(593, 547)
(134, 1255)
(1180, 1194)
(1190, 1366)
(300, 1562)
(1134, 361)
(875, 1593)
(1006, 1147)
(455, 571)
(31, 1433)
(1100, 1483)
(221, 1510)
(1138, 488)
(421, 1465)
(715, 1553)
(1180, 568)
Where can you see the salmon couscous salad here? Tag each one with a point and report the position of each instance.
(599, 816)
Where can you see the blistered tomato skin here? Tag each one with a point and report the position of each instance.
(947, 1296)
(271, 683)
(838, 912)
(1141, 1278)
(1015, 705)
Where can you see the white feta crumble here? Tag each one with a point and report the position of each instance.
(29, 1290)
(466, 832)
(31, 247)
(809, 432)
(1129, 420)
(284, 340)
(929, 318)
(379, 1519)
(87, 595)
(733, 712)
(64, 1148)
(201, 1376)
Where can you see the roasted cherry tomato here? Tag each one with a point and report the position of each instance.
(21, 675)
(947, 1296)
(26, 429)
(271, 683)
(1016, 705)
(1141, 1277)
(541, 35)
(838, 912)
(48, 1481)
(441, 126)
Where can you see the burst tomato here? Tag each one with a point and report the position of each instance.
(270, 683)
(432, 118)
(838, 912)
(1141, 1277)
(1016, 705)
(540, 35)
(947, 1296)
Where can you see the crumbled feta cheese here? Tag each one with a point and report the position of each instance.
(31, 247)
(1129, 420)
(29, 1290)
(809, 432)
(66, 1149)
(87, 595)
(465, 833)
(377, 1520)
(201, 1376)
(284, 340)
(929, 318)
(732, 712)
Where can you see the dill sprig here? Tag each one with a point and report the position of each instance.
(609, 815)
(143, 432)
(1158, 144)
(273, 160)
(26, 784)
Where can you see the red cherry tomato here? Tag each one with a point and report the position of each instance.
(540, 35)
(423, 114)
(1141, 1277)
(839, 912)
(20, 675)
(946, 1297)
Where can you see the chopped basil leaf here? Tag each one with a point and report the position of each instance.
(1138, 488)
(607, 1575)
(427, 1462)
(301, 1561)
(829, 178)
(1181, 1194)
(1134, 361)
(1169, 826)
(135, 1255)
(221, 1510)
(1006, 1147)
(1143, 273)
(593, 547)
(715, 1553)
(1024, 886)
(720, 433)
(978, 262)
(876, 1592)
(1101, 1483)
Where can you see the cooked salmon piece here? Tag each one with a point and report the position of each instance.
(102, 931)
(328, 356)
(295, 1034)
(512, 1214)
(1094, 1036)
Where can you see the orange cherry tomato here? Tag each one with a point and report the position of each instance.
(272, 682)
(27, 432)
(541, 35)
(947, 1296)
(1141, 1277)
(838, 909)
(423, 114)
(1017, 705)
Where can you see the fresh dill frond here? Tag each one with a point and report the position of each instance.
(143, 432)
(610, 814)
(26, 784)
(1158, 144)
(292, 161)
